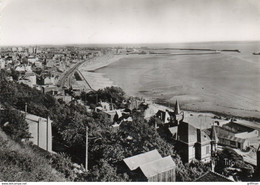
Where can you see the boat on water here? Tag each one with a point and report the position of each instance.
(256, 53)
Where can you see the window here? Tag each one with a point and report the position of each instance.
(207, 149)
(233, 143)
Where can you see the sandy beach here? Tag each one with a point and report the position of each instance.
(225, 83)
(95, 79)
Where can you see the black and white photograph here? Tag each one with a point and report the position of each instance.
(129, 91)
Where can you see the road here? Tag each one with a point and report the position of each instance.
(67, 74)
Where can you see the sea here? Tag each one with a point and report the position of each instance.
(226, 82)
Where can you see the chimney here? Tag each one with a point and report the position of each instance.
(213, 165)
(25, 108)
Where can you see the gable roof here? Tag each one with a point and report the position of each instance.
(158, 166)
(232, 138)
(187, 133)
(136, 161)
(237, 128)
(202, 137)
(211, 176)
(177, 109)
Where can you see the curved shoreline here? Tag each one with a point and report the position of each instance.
(93, 77)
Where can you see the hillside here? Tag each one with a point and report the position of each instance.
(19, 162)
(106, 151)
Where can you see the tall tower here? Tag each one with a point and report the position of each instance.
(214, 139)
(179, 115)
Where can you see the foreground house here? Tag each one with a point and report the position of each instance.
(152, 167)
(193, 143)
(41, 131)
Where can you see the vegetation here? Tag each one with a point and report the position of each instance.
(19, 162)
(112, 94)
(107, 149)
(233, 164)
(14, 124)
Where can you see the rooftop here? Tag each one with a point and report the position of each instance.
(237, 128)
(136, 161)
(158, 166)
(212, 177)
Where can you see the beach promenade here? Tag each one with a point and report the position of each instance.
(94, 79)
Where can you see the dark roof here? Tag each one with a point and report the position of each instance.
(202, 137)
(187, 133)
(224, 133)
(212, 177)
(177, 109)
(237, 128)
(232, 138)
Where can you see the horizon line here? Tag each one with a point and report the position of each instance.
(144, 43)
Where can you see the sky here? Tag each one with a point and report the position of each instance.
(28, 22)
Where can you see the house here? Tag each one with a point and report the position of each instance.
(32, 59)
(2, 63)
(134, 103)
(49, 80)
(164, 116)
(228, 138)
(193, 143)
(151, 166)
(41, 131)
(171, 117)
(258, 163)
(20, 69)
(31, 77)
(211, 176)
(50, 64)
(118, 115)
(50, 88)
(241, 131)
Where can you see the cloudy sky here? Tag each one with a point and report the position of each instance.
(24, 22)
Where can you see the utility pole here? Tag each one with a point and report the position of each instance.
(86, 162)
(96, 98)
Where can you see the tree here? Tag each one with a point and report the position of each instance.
(108, 94)
(230, 158)
(14, 124)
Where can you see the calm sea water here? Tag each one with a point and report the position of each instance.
(228, 82)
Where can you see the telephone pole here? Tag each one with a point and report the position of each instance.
(86, 162)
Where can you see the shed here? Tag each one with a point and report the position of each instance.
(151, 167)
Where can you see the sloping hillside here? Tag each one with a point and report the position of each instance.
(19, 162)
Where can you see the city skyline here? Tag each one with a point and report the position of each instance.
(35, 22)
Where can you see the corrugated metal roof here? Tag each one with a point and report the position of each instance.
(136, 161)
(155, 167)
